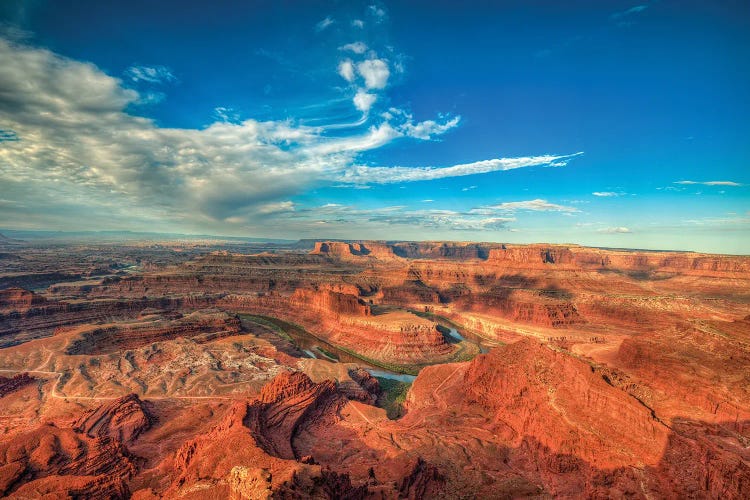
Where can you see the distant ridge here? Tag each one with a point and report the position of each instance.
(128, 235)
(5, 239)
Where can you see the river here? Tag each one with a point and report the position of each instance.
(314, 347)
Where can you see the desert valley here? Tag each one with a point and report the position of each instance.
(374, 249)
(371, 369)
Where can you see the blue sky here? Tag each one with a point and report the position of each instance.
(600, 123)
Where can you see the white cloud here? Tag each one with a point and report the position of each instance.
(384, 217)
(615, 230)
(150, 74)
(375, 72)
(356, 47)
(226, 114)
(537, 205)
(427, 201)
(429, 128)
(629, 12)
(358, 23)
(14, 32)
(346, 70)
(377, 12)
(711, 183)
(387, 175)
(325, 23)
(363, 101)
(606, 194)
(468, 188)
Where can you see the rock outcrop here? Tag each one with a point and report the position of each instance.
(122, 420)
(250, 453)
(12, 384)
(202, 326)
(569, 429)
(19, 300)
(53, 462)
(286, 405)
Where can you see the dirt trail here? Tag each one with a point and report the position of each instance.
(53, 393)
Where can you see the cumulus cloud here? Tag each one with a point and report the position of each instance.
(325, 23)
(375, 72)
(363, 101)
(358, 23)
(346, 70)
(150, 74)
(615, 230)
(356, 47)
(710, 183)
(73, 153)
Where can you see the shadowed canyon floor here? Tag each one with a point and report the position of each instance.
(372, 370)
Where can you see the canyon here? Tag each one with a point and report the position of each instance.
(372, 369)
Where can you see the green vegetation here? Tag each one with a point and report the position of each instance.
(443, 329)
(442, 321)
(267, 322)
(405, 369)
(280, 327)
(393, 396)
(327, 353)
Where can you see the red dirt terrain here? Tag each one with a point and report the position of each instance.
(363, 369)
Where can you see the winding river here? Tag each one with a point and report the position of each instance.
(314, 347)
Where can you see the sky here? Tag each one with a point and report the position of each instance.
(617, 124)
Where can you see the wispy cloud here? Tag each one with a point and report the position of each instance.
(607, 194)
(385, 217)
(325, 23)
(710, 183)
(615, 230)
(628, 12)
(225, 114)
(388, 175)
(150, 74)
(14, 32)
(429, 128)
(537, 205)
(356, 47)
(377, 12)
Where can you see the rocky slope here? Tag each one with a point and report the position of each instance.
(88, 460)
(564, 427)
